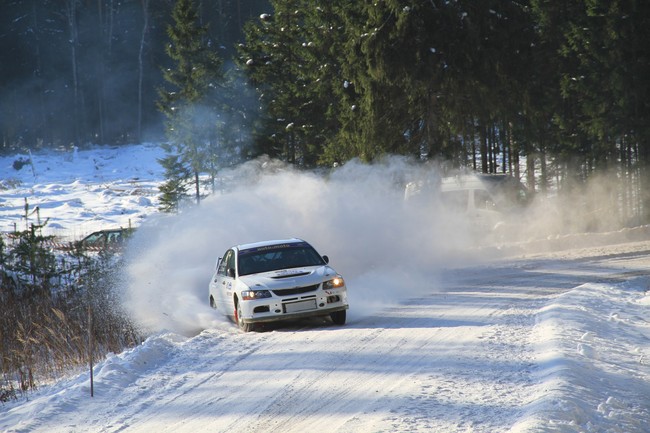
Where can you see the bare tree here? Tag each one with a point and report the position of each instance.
(143, 39)
(71, 17)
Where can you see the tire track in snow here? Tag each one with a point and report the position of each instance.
(457, 360)
(477, 384)
(287, 411)
(185, 382)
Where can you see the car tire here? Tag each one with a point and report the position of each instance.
(246, 327)
(338, 317)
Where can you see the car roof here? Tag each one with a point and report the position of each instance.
(113, 230)
(268, 243)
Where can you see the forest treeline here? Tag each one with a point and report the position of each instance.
(549, 91)
(77, 72)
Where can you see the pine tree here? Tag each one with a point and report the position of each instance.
(293, 57)
(191, 105)
(271, 56)
(175, 188)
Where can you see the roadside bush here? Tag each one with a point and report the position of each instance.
(9, 183)
(20, 163)
(59, 311)
(7, 391)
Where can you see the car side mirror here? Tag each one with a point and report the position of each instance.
(327, 259)
(230, 272)
(218, 261)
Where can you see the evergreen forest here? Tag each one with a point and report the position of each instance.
(552, 92)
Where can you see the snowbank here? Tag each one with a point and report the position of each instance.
(593, 365)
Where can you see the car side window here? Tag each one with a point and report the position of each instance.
(94, 238)
(483, 200)
(223, 265)
(230, 261)
(456, 200)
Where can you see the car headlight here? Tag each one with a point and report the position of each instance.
(334, 283)
(249, 295)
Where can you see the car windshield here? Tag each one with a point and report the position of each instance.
(276, 257)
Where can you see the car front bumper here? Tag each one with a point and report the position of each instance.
(290, 316)
(275, 309)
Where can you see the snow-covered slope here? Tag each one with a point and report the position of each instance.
(439, 339)
(79, 192)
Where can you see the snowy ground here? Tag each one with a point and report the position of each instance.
(440, 338)
(80, 191)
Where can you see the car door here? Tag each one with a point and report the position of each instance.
(214, 285)
(484, 210)
(223, 283)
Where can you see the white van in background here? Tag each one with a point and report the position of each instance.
(492, 199)
(489, 200)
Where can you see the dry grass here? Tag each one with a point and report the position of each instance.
(55, 319)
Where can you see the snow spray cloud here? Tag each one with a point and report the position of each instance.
(575, 213)
(386, 249)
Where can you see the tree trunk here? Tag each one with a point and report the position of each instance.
(71, 15)
(197, 188)
(100, 74)
(484, 150)
(530, 171)
(143, 38)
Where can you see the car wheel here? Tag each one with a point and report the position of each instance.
(338, 317)
(246, 327)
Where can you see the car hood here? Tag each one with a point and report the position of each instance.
(288, 278)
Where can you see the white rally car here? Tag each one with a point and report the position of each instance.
(276, 280)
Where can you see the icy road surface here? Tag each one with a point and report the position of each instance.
(545, 343)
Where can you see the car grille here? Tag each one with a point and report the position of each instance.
(296, 290)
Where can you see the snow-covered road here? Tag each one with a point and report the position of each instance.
(438, 339)
(547, 343)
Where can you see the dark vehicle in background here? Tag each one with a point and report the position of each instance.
(106, 239)
(101, 240)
